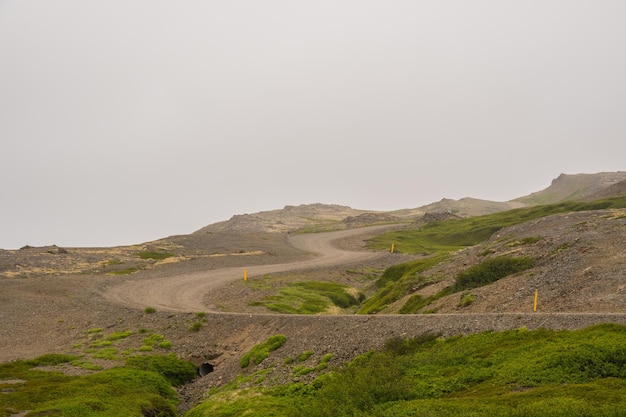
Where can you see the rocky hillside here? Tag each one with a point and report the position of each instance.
(284, 220)
(615, 190)
(577, 187)
(579, 267)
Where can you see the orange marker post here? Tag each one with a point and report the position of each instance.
(245, 274)
(535, 303)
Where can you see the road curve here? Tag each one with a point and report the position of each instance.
(186, 292)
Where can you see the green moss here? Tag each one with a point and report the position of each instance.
(195, 327)
(466, 299)
(175, 370)
(121, 391)
(261, 351)
(510, 373)
(309, 297)
(154, 255)
(119, 335)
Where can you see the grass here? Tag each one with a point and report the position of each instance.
(304, 355)
(142, 387)
(126, 271)
(155, 340)
(491, 270)
(195, 326)
(509, 373)
(261, 351)
(466, 299)
(449, 235)
(154, 255)
(438, 239)
(310, 297)
(484, 273)
(119, 335)
(397, 280)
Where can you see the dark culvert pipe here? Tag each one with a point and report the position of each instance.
(205, 369)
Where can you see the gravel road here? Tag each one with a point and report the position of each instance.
(186, 292)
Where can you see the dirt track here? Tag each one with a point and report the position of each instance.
(187, 291)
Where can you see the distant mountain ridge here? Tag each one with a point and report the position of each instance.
(331, 216)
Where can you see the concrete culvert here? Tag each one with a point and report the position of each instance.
(205, 368)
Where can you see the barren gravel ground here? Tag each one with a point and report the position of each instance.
(187, 291)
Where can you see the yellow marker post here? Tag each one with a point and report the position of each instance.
(535, 303)
(245, 274)
(392, 247)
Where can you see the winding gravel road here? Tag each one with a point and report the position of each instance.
(186, 292)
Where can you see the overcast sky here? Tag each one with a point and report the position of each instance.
(124, 121)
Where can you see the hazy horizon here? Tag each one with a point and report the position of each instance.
(126, 122)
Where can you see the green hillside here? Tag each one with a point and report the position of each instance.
(449, 235)
(510, 373)
(437, 240)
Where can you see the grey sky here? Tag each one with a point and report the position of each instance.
(127, 121)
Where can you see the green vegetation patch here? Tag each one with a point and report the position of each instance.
(119, 335)
(176, 371)
(304, 355)
(491, 270)
(154, 255)
(449, 235)
(155, 340)
(310, 297)
(398, 280)
(126, 271)
(133, 390)
(195, 326)
(484, 273)
(261, 351)
(510, 373)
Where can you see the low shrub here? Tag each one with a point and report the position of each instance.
(195, 327)
(491, 270)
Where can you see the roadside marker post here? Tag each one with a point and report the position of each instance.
(535, 303)
(393, 245)
(245, 275)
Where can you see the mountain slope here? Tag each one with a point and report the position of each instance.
(615, 190)
(574, 187)
(576, 249)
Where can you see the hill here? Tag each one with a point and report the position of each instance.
(615, 190)
(577, 187)
(577, 264)
(53, 298)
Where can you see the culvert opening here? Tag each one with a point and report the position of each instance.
(205, 369)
